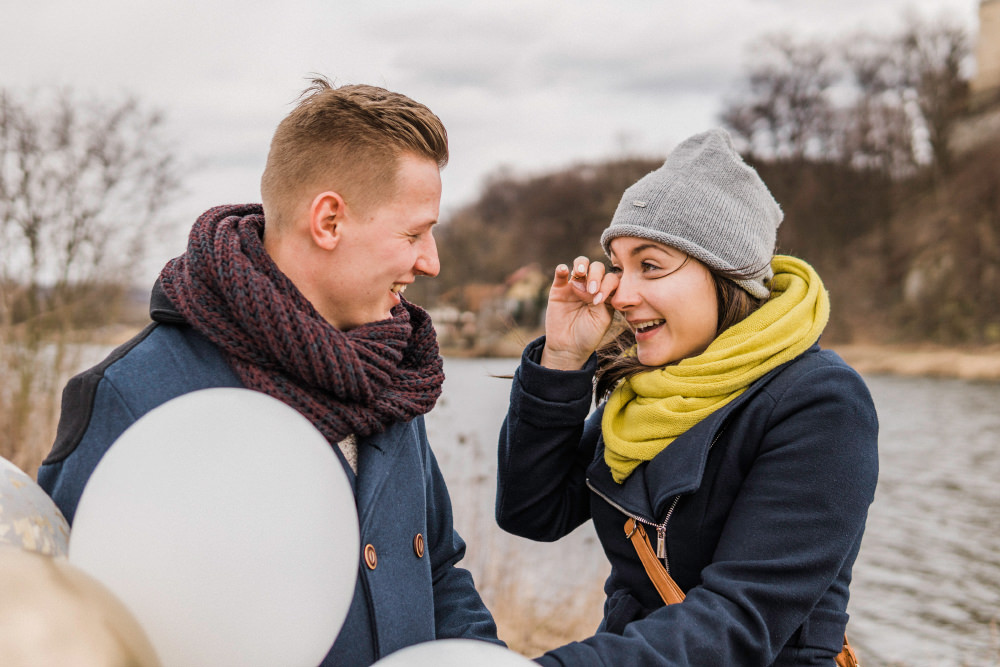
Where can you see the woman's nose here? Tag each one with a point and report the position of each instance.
(625, 296)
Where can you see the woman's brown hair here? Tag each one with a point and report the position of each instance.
(615, 365)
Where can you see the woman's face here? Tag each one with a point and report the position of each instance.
(667, 297)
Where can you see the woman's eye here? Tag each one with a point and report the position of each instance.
(647, 266)
(614, 269)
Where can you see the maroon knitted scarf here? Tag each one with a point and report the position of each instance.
(359, 381)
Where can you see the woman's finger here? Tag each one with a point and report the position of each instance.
(607, 287)
(580, 265)
(595, 274)
(578, 276)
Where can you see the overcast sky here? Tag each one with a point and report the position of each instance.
(528, 85)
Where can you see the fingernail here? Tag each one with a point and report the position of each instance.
(581, 269)
(598, 298)
(592, 287)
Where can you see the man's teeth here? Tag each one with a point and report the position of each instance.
(648, 325)
(398, 288)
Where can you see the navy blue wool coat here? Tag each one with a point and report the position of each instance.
(407, 599)
(762, 506)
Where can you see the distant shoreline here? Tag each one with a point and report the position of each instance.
(966, 363)
(925, 360)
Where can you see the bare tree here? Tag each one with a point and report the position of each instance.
(876, 129)
(898, 96)
(785, 111)
(931, 57)
(82, 187)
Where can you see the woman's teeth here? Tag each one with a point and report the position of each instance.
(642, 326)
(398, 288)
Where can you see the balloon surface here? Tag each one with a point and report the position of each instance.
(52, 613)
(454, 653)
(29, 519)
(226, 523)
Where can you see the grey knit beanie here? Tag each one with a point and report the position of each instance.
(707, 202)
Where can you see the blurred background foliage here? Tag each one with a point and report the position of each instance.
(870, 144)
(81, 184)
(882, 155)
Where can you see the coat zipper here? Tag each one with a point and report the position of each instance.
(661, 529)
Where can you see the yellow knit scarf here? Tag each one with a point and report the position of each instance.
(646, 412)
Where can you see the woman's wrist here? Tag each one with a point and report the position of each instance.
(562, 360)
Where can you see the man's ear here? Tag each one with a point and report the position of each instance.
(326, 216)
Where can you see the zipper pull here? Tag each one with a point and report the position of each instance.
(661, 542)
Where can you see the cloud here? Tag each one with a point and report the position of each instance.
(532, 84)
(527, 46)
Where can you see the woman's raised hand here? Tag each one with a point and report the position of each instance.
(578, 314)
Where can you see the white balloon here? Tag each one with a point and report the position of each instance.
(28, 517)
(224, 520)
(454, 653)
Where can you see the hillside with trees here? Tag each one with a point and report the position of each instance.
(855, 137)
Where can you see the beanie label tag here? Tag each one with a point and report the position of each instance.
(640, 204)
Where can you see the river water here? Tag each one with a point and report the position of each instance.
(926, 588)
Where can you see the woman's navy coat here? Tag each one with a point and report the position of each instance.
(762, 506)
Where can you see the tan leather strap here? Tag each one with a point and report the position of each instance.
(665, 585)
(671, 592)
(847, 656)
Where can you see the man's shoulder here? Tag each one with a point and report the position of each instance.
(160, 358)
(159, 363)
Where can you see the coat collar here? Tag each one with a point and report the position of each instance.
(678, 469)
(161, 309)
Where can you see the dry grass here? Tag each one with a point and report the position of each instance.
(530, 618)
(542, 596)
(30, 390)
(32, 376)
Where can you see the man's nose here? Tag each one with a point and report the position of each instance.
(428, 262)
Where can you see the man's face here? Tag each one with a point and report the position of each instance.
(384, 249)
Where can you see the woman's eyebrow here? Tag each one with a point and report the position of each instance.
(639, 248)
(646, 246)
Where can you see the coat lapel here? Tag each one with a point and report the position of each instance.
(377, 456)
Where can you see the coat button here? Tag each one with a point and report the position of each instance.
(371, 558)
(418, 545)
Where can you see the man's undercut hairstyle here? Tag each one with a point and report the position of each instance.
(349, 140)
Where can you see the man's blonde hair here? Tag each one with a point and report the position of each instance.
(349, 140)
